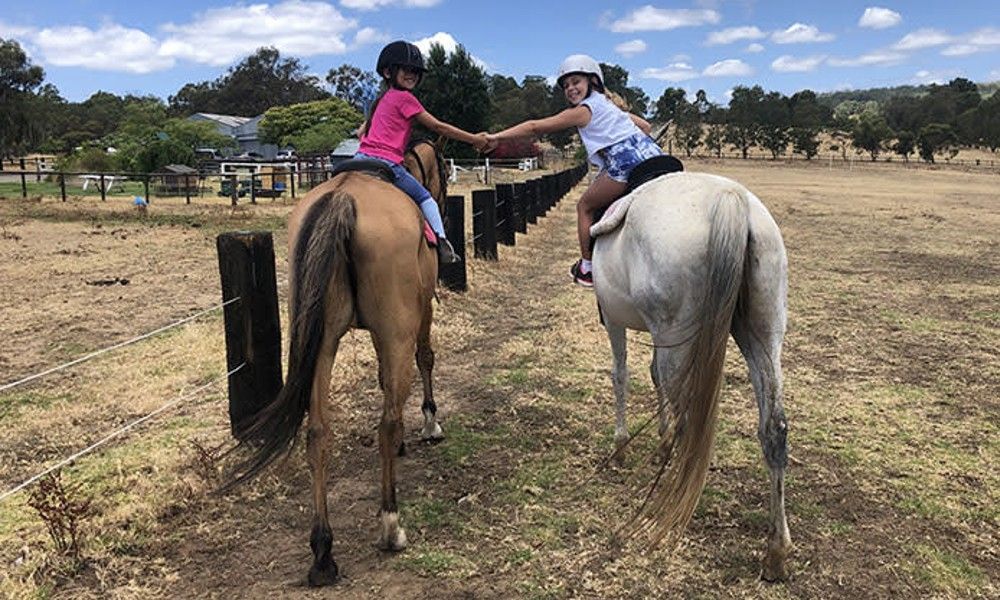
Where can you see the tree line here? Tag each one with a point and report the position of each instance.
(313, 115)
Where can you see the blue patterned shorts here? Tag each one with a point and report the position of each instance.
(621, 157)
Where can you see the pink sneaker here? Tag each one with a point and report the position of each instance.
(579, 277)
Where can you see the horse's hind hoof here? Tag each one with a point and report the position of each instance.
(432, 435)
(320, 576)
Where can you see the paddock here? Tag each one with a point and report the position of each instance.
(892, 397)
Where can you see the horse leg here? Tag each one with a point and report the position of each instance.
(396, 365)
(759, 332)
(324, 569)
(425, 363)
(619, 380)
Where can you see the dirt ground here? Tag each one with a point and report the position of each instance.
(892, 392)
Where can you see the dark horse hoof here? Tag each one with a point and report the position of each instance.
(323, 575)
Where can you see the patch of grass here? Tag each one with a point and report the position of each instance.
(429, 562)
(945, 571)
(463, 443)
(922, 506)
(426, 513)
(11, 404)
(520, 556)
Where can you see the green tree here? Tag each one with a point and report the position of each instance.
(688, 131)
(935, 138)
(456, 91)
(804, 141)
(18, 80)
(742, 119)
(871, 134)
(774, 115)
(257, 83)
(668, 103)
(317, 126)
(714, 138)
(353, 85)
(905, 144)
(616, 80)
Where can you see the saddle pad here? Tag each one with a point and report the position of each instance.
(613, 216)
(373, 167)
(432, 238)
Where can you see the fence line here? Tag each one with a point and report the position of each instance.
(114, 434)
(96, 353)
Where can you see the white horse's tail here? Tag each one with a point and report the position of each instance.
(686, 447)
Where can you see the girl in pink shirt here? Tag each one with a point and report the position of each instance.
(386, 133)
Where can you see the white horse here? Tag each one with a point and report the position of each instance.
(691, 258)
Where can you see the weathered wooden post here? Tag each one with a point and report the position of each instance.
(187, 188)
(453, 275)
(484, 224)
(505, 214)
(531, 200)
(62, 185)
(24, 182)
(104, 192)
(253, 329)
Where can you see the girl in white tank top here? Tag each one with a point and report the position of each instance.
(616, 141)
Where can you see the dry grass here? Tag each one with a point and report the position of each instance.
(891, 394)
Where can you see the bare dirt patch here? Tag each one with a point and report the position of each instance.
(892, 387)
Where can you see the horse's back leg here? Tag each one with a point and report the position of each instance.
(425, 364)
(619, 380)
(324, 569)
(759, 328)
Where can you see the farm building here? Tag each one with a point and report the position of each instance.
(243, 130)
(176, 180)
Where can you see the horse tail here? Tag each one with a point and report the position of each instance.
(323, 242)
(694, 393)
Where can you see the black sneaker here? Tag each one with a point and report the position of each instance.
(579, 277)
(446, 252)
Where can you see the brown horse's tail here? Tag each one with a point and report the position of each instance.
(686, 447)
(323, 242)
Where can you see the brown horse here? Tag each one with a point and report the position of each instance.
(357, 258)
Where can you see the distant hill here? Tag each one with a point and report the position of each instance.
(880, 95)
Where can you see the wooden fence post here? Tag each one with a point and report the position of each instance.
(505, 214)
(24, 183)
(520, 208)
(453, 275)
(253, 331)
(484, 224)
(531, 200)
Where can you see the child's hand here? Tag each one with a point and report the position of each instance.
(490, 143)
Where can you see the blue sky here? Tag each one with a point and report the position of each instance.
(144, 47)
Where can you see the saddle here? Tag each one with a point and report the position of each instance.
(609, 218)
(365, 165)
(382, 171)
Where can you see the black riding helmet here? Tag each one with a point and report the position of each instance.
(400, 54)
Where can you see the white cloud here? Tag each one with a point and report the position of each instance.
(876, 17)
(876, 58)
(449, 43)
(678, 71)
(377, 4)
(922, 38)
(109, 48)
(369, 35)
(925, 77)
(732, 67)
(800, 33)
(734, 34)
(790, 64)
(984, 40)
(219, 36)
(755, 48)
(650, 18)
(631, 48)
(995, 75)
(13, 32)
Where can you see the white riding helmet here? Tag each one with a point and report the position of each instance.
(579, 63)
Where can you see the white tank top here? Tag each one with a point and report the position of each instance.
(608, 125)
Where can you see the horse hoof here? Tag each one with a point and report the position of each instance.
(432, 434)
(395, 542)
(774, 570)
(322, 575)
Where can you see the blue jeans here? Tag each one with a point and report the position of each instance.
(409, 184)
(404, 180)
